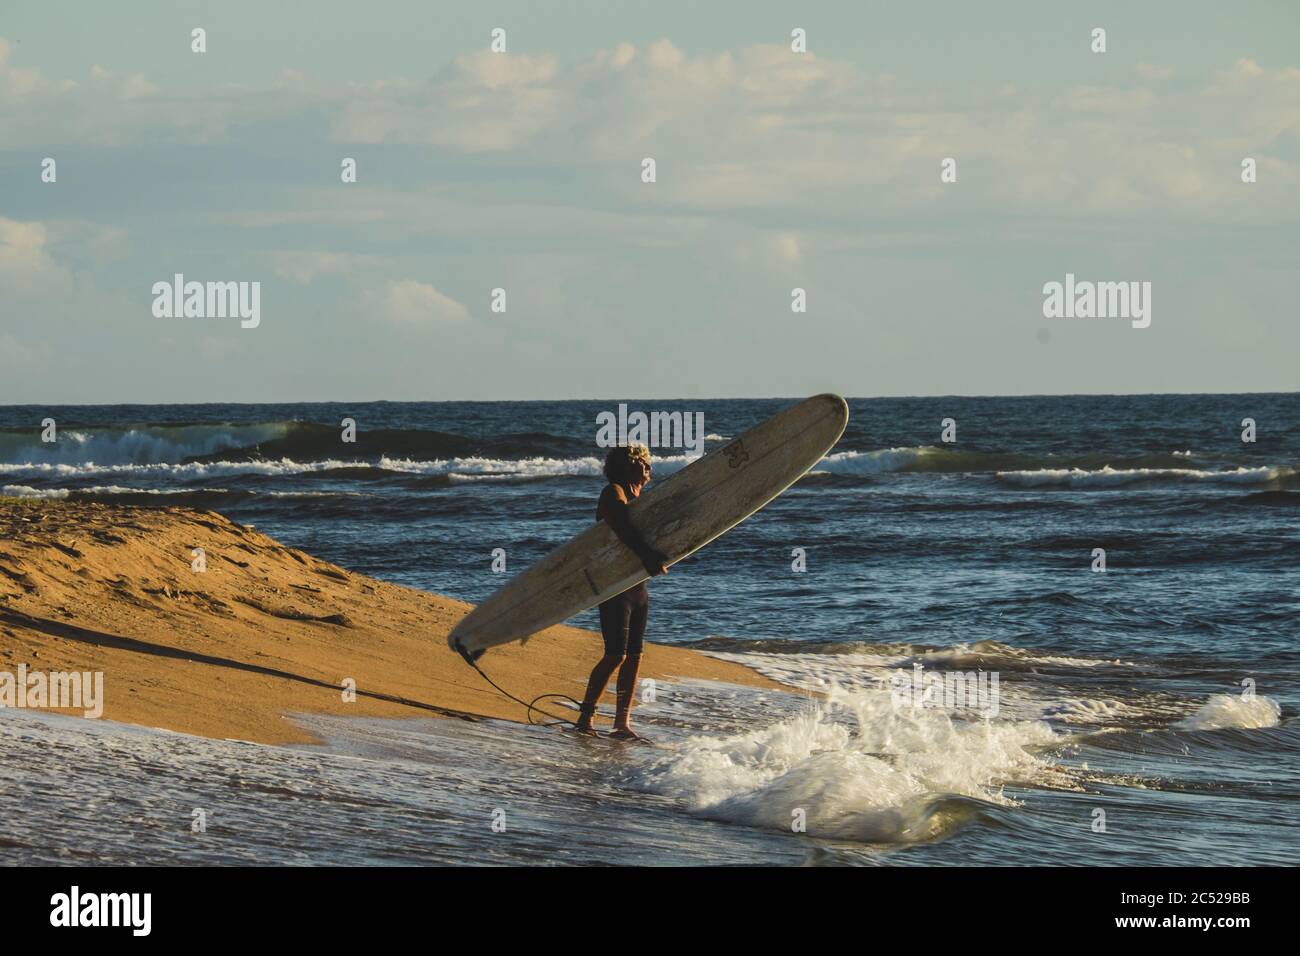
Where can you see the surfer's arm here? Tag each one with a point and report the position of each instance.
(613, 510)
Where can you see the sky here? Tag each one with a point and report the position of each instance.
(522, 170)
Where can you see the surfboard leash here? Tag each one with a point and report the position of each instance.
(555, 718)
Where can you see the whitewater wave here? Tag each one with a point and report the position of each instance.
(1222, 711)
(273, 440)
(143, 445)
(799, 664)
(189, 470)
(27, 491)
(853, 767)
(881, 462)
(465, 468)
(1020, 692)
(1025, 469)
(290, 448)
(453, 468)
(479, 468)
(1089, 710)
(1114, 477)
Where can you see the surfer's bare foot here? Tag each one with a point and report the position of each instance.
(624, 733)
(586, 730)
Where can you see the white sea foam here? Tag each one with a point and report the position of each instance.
(1019, 696)
(857, 766)
(462, 467)
(880, 462)
(284, 466)
(26, 491)
(316, 494)
(500, 467)
(155, 445)
(816, 671)
(1234, 710)
(959, 654)
(470, 468)
(1112, 477)
(1087, 710)
(123, 490)
(873, 667)
(118, 490)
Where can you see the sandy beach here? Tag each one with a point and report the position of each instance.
(263, 632)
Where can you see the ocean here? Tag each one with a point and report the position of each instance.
(1141, 714)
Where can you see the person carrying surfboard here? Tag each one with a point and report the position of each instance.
(622, 617)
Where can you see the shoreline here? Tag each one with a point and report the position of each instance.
(261, 632)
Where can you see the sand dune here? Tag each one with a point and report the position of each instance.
(262, 633)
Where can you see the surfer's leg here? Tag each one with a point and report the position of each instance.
(595, 687)
(614, 629)
(626, 688)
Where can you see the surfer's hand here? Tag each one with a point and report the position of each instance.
(655, 563)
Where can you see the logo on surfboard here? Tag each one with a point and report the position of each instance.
(736, 454)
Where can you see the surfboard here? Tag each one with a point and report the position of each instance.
(677, 516)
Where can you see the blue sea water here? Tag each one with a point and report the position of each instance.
(1161, 691)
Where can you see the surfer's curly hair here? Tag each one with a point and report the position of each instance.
(620, 458)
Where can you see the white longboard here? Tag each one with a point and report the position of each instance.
(676, 516)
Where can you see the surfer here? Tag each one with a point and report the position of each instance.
(622, 617)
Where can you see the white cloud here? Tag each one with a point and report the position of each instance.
(762, 128)
(23, 248)
(413, 303)
(28, 249)
(745, 131)
(15, 83)
(305, 265)
(487, 102)
(336, 212)
(106, 109)
(786, 247)
(38, 279)
(1149, 71)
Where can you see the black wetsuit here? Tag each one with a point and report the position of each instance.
(623, 619)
